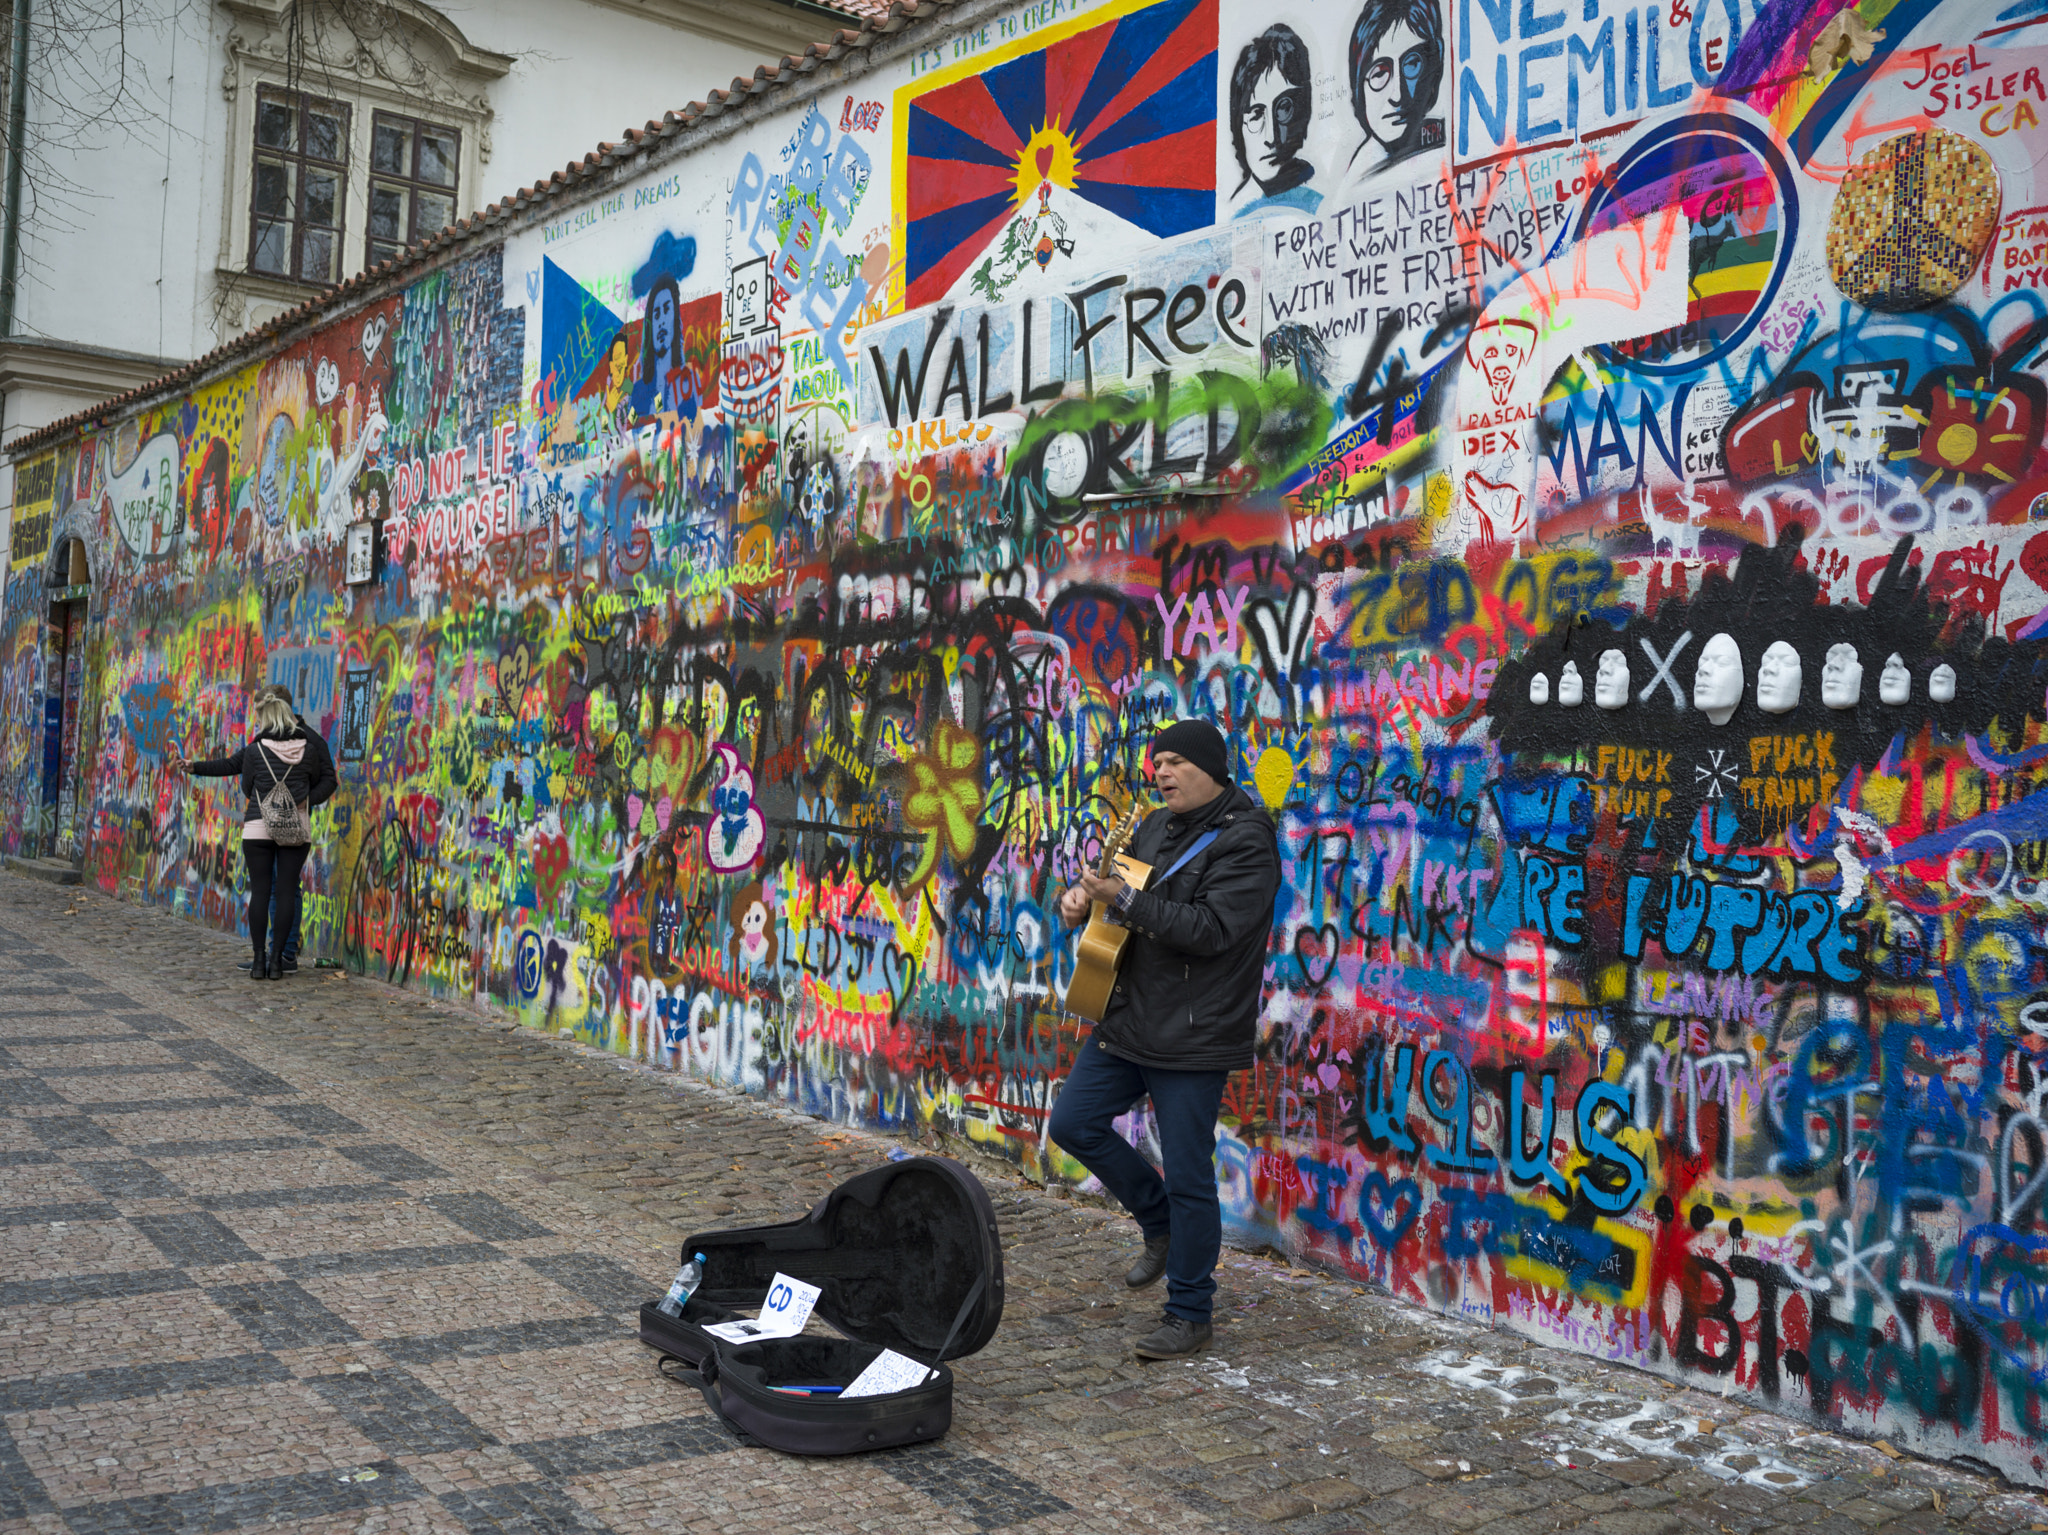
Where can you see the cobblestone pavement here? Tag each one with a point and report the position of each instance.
(324, 1257)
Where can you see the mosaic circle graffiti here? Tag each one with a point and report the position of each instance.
(1912, 220)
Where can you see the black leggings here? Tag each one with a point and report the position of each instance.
(268, 861)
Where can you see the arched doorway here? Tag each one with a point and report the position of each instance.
(66, 783)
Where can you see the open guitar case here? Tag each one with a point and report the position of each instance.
(906, 1257)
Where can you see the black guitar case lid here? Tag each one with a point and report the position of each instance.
(906, 1257)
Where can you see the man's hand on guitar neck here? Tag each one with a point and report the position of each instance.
(1074, 903)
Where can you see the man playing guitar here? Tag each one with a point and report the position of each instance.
(1182, 1017)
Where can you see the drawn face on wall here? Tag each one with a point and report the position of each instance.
(1610, 682)
(1895, 683)
(1275, 123)
(819, 496)
(753, 928)
(1270, 107)
(661, 322)
(274, 483)
(1391, 73)
(1717, 684)
(1397, 62)
(213, 514)
(1497, 350)
(1841, 680)
(1300, 348)
(615, 374)
(1778, 679)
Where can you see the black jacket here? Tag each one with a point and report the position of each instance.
(312, 778)
(1187, 994)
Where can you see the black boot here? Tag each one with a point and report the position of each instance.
(277, 963)
(1151, 1265)
(259, 969)
(1176, 1338)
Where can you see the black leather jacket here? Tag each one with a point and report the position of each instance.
(1187, 995)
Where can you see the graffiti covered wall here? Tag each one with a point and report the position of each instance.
(1587, 457)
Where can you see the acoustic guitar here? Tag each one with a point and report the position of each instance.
(1102, 942)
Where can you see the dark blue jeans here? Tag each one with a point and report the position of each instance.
(1183, 1205)
(291, 938)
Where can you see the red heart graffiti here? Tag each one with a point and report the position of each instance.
(1044, 161)
(550, 867)
(2034, 560)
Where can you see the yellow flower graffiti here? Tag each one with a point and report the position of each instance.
(945, 799)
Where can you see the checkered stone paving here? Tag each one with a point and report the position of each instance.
(321, 1257)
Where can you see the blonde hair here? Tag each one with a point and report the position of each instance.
(270, 714)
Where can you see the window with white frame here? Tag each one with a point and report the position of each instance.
(298, 186)
(414, 169)
(351, 142)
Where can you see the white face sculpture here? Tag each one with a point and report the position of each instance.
(1841, 680)
(1539, 689)
(1571, 687)
(1941, 684)
(1895, 683)
(1717, 685)
(1778, 679)
(1610, 682)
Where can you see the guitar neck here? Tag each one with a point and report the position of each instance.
(1119, 842)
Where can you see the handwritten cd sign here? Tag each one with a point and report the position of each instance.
(889, 1373)
(783, 1313)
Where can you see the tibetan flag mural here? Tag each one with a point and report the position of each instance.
(1076, 141)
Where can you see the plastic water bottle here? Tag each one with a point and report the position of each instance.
(688, 1277)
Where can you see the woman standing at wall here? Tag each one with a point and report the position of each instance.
(280, 751)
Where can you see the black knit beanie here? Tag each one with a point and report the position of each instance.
(1198, 741)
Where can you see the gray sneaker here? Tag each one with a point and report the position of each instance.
(1176, 1338)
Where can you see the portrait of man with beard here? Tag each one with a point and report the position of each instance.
(667, 384)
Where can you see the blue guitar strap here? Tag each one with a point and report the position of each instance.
(1179, 863)
(1185, 859)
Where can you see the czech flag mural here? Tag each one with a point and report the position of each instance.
(1012, 160)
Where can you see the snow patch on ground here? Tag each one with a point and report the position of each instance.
(1591, 1426)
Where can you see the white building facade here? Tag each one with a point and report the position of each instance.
(200, 168)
